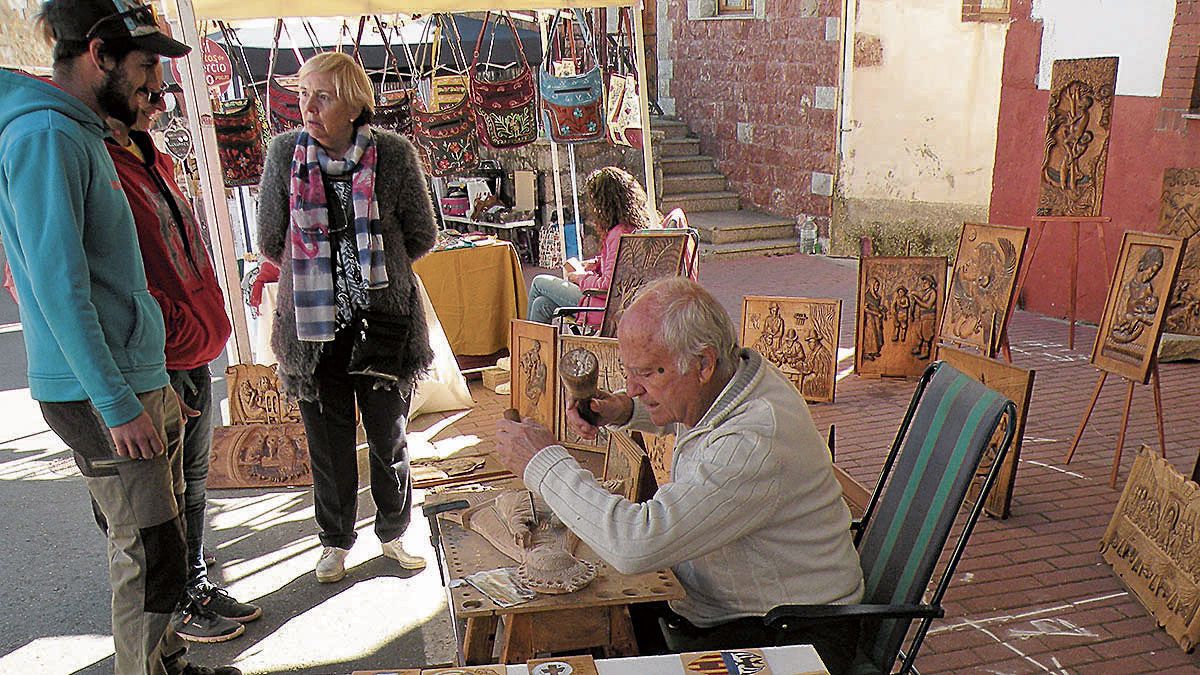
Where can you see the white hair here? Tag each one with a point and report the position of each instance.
(690, 320)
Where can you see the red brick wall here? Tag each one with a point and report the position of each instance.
(763, 72)
(1183, 57)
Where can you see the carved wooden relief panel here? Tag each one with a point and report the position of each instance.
(660, 451)
(431, 472)
(563, 665)
(733, 661)
(1136, 306)
(1015, 384)
(1077, 131)
(799, 336)
(466, 670)
(612, 378)
(641, 258)
(1180, 216)
(1153, 547)
(256, 396)
(627, 462)
(982, 284)
(534, 370)
(900, 303)
(259, 455)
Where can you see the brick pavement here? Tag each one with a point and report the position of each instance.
(1031, 594)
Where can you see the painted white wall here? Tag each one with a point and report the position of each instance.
(1137, 31)
(922, 126)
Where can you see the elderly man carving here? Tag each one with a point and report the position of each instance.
(753, 516)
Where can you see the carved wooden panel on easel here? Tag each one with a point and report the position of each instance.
(611, 378)
(1077, 130)
(641, 258)
(535, 371)
(900, 302)
(627, 463)
(982, 284)
(1015, 384)
(259, 455)
(256, 396)
(799, 336)
(1180, 216)
(1152, 545)
(1136, 306)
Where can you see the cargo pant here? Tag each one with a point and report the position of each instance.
(141, 502)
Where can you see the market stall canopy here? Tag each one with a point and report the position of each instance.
(270, 9)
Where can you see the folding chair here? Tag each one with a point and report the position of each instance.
(949, 425)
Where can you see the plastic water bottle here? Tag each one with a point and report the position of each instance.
(808, 235)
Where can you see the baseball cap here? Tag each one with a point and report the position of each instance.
(127, 20)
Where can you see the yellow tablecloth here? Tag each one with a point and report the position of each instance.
(476, 291)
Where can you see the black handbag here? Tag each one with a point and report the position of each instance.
(380, 345)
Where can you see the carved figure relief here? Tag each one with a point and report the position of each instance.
(611, 378)
(534, 356)
(259, 455)
(641, 258)
(900, 304)
(1180, 216)
(1077, 132)
(1152, 544)
(799, 336)
(660, 450)
(733, 662)
(1015, 384)
(982, 284)
(1136, 306)
(563, 665)
(626, 462)
(256, 396)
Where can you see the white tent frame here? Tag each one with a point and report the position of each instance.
(184, 15)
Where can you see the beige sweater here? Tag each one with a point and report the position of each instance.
(753, 516)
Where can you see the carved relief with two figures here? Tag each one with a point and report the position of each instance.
(641, 258)
(799, 336)
(1180, 216)
(982, 285)
(900, 303)
(1077, 131)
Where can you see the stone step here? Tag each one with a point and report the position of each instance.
(700, 201)
(680, 183)
(725, 227)
(673, 166)
(671, 128)
(746, 249)
(680, 147)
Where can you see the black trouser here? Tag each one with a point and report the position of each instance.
(836, 640)
(194, 388)
(330, 426)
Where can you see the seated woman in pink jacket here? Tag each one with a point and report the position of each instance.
(615, 203)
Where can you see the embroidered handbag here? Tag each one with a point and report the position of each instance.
(393, 107)
(572, 105)
(446, 136)
(284, 104)
(505, 110)
(622, 103)
(240, 143)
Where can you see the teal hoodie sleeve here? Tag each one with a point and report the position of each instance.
(52, 204)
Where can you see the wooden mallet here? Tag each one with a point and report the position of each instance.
(579, 370)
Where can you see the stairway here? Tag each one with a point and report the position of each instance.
(691, 181)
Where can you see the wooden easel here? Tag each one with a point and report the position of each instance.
(1075, 222)
(1158, 413)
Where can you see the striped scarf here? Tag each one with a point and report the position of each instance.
(312, 265)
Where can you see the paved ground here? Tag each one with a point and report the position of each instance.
(1032, 594)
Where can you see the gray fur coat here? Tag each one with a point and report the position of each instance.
(409, 231)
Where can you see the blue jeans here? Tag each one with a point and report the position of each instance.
(194, 388)
(547, 293)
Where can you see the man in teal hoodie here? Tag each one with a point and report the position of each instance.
(93, 333)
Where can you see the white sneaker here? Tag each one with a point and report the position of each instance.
(394, 549)
(332, 565)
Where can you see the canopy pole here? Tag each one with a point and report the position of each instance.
(639, 44)
(554, 163)
(212, 185)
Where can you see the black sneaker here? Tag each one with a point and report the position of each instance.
(217, 601)
(196, 624)
(193, 669)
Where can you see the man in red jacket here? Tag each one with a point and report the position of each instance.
(182, 280)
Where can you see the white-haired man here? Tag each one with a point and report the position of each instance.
(753, 516)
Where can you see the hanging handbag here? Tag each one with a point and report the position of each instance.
(446, 136)
(393, 108)
(505, 110)
(572, 105)
(240, 141)
(284, 107)
(622, 102)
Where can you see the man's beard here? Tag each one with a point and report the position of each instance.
(113, 97)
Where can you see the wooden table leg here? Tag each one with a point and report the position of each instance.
(517, 645)
(1112, 481)
(1087, 416)
(479, 641)
(622, 641)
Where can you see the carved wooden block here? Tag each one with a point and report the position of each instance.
(660, 451)
(259, 455)
(900, 303)
(1015, 384)
(611, 378)
(455, 470)
(1077, 130)
(466, 670)
(1136, 306)
(1180, 216)
(726, 662)
(1151, 545)
(641, 258)
(799, 336)
(563, 665)
(534, 353)
(591, 459)
(627, 462)
(256, 396)
(982, 285)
